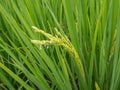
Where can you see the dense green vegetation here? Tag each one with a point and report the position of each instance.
(59, 44)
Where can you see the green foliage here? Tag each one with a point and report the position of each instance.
(83, 54)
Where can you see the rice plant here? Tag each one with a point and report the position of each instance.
(59, 44)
